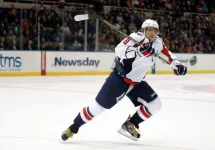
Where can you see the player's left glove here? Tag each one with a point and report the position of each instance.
(180, 70)
(147, 50)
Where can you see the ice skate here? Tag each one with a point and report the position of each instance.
(69, 132)
(129, 130)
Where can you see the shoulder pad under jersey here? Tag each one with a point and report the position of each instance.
(138, 36)
(159, 43)
(158, 39)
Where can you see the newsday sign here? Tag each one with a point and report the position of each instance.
(36, 63)
(69, 63)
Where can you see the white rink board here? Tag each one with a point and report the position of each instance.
(20, 61)
(192, 61)
(84, 63)
(99, 61)
(79, 61)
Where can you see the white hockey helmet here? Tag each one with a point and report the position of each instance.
(149, 23)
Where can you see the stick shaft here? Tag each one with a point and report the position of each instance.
(93, 16)
(125, 35)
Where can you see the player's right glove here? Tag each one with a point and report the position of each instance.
(180, 70)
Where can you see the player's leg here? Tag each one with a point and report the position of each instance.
(149, 103)
(111, 92)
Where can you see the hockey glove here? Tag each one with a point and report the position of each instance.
(180, 70)
(147, 50)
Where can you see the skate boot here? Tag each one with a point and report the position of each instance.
(129, 130)
(69, 132)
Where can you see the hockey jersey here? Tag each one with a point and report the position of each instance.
(135, 65)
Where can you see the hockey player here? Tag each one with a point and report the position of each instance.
(128, 78)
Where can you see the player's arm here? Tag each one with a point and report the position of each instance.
(125, 52)
(127, 48)
(180, 68)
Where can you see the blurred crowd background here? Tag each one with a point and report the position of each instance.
(185, 26)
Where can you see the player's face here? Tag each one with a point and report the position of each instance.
(151, 33)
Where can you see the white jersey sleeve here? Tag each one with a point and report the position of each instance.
(127, 48)
(164, 50)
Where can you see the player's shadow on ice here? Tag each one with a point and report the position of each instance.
(102, 144)
(119, 145)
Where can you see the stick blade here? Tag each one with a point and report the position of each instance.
(81, 17)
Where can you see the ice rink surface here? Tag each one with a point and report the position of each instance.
(34, 111)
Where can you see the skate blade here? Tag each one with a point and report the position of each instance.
(64, 141)
(126, 134)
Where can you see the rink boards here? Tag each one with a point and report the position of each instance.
(36, 63)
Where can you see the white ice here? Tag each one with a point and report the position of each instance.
(34, 111)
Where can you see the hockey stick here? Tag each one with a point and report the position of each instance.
(94, 16)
